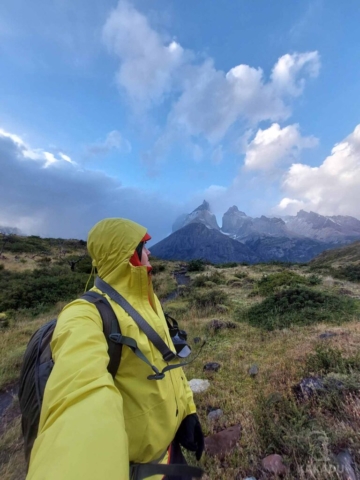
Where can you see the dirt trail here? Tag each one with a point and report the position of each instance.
(181, 279)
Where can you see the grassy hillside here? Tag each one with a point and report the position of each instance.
(278, 313)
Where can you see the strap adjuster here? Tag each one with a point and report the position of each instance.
(168, 356)
(156, 376)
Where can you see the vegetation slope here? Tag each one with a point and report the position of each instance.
(292, 321)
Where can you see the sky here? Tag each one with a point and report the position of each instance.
(144, 108)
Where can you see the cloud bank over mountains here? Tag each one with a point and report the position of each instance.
(43, 193)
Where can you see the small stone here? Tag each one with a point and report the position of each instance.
(308, 387)
(250, 478)
(327, 335)
(198, 386)
(215, 415)
(274, 464)
(253, 370)
(212, 367)
(345, 462)
(197, 340)
(223, 442)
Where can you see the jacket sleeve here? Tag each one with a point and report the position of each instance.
(191, 408)
(82, 432)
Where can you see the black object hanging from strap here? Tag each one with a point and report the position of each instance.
(152, 335)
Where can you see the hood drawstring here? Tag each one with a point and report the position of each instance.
(92, 274)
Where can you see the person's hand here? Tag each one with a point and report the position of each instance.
(190, 435)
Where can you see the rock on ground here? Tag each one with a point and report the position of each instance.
(198, 386)
(223, 442)
(274, 464)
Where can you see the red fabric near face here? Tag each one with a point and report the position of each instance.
(135, 260)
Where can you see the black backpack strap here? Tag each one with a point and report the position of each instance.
(110, 327)
(152, 335)
(140, 471)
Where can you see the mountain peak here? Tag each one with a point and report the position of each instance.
(204, 206)
(201, 214)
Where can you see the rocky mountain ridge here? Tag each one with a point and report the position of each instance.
(297, 238)
(336, 229)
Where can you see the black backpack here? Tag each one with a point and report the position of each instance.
(38, 364)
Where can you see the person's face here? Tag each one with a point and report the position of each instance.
(145, 256)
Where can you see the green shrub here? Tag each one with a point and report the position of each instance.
(38, 289)
(269, 284)
(314, 280)
(326, 360)
(350, 272)
(298, 306)
(199, 281)
(209, 298)
(196, 265)
(241, 275)
(158, 268)
(216, 278)
(226, 265)
(284, 427)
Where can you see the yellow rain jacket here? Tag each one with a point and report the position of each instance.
(92, 425)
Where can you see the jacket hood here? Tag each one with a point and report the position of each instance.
(111, 244)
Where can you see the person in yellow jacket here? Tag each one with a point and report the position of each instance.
(93, 425)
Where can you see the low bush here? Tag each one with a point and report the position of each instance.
(285, 427)
(314, 280)
(38, 288)
(216, 278)
(298, 306)
(350, 272)
(269, 284)
(158, 268)
(241, 275)
(226, 265)
(196, 265)
(209, 298)
(326, 360)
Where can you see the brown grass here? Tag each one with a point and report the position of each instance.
(280, 356)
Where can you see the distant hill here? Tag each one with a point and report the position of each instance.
(347, 255)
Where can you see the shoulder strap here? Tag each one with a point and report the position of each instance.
(152, 335)
(110, 327)
(140, 471)
(157, 341)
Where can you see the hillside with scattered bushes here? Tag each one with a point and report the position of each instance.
(281, 358)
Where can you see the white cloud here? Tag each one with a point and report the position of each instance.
(205, 101)
(147, 63)
(212, 101)
(114, 141)
(275, 145)
(333, 187)
(285, 77)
